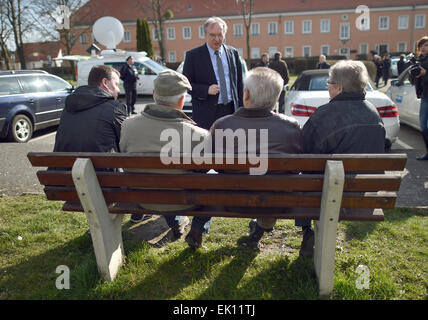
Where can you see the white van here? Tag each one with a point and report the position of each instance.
(146, 67)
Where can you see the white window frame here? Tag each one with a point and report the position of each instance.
(309, 31)
(400, 24)
(291, 24)
(381, 27)
(238, 30)
(291, 55)
(201, 32)
(255, 25)
(348, 51)
(303, 51)
(272, 28)
(172, 54)
(367, 48)
(423, 16)
(83, 38)
(189, 36)
(255, 53)
(170, 36)
(328, 49)
(155, 34)
(127, 36)
(405, 46)
(343, 36)
(272, 51)
(327, 30)
(382, 44)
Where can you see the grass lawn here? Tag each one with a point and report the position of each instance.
(36, 237)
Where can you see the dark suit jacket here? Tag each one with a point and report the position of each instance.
(128, 76)
(199, 70)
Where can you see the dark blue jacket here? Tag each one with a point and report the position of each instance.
(347, 124)
(128, 74)
(199, 70)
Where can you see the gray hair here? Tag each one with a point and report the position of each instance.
(216, 20)
(264, 85)
(351, 75)
(168, 100)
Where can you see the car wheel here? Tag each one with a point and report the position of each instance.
(21, 129)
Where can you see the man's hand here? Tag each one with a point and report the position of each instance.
(213, 89)
(422, 73)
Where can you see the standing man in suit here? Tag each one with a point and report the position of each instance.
(215, 73)
(129, 76)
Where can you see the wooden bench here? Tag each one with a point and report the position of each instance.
(337, 193)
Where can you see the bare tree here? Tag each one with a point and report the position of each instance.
(247, 13)
(5, 33)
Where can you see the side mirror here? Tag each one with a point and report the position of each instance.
(70, 90)
(395, 83)
(286, 87)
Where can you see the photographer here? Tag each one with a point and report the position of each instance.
(419, 77)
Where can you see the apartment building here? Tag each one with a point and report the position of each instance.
(296, 28)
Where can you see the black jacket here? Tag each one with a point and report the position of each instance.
(323, 65)
(281, 67)
(347, 124)
(421, 83)
(90, 122)
(129, 75)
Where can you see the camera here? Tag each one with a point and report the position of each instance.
(414, 69)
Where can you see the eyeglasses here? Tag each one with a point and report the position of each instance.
(330, 82)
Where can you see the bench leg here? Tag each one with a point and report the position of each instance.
(106, 228)
(326, 227)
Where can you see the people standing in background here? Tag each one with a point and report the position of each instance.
(264, 61)
(280, 66)
(129, 76)
(401, 65)
(323, 63)
(378, 63)
(386, 69)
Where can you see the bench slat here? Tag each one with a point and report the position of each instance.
(292, 182)
(384, 200)
(282, 162)
(295, 213)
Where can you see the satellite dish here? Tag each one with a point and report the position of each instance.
(108, 31)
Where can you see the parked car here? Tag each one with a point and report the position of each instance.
(309, 92)
(29, 101)
(146, 67)
(403, 93)
(188, 101)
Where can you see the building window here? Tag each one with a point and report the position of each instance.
(420, 21)
(344, 52)
(155, 34)
(325, 49)
(255, 53)
(289, 52)
(382, 49)
(306, 26)
(344, 31)
(170, 33)
(364, 48)
(272, 51)
(384, 23)
(306, 51)
(289, 27)
(127, 36)
(237, 30)
(272, 28)
(325, 25)
(403, 22)
(201, 32)
(402, 47)
(255, 29)
(187, 33)
(83, 38)
(72, 39)
(172, 56)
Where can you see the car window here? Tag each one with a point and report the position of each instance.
(56, 84)
(142, 69)
(318, 84)
(32, 84)
(116, 65)
(8, 86)
(156, 67)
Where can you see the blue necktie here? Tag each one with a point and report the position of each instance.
(220, 70)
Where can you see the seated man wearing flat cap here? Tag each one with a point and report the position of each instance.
(142, 134)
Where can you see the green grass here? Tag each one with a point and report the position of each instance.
(394, 251)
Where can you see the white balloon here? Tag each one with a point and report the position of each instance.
(108, 31)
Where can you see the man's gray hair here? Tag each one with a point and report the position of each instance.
(264, 86)
(351, 75)
(216, 20)
(168, 100)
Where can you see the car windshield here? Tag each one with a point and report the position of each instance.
(320, 84)
(154, 65)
